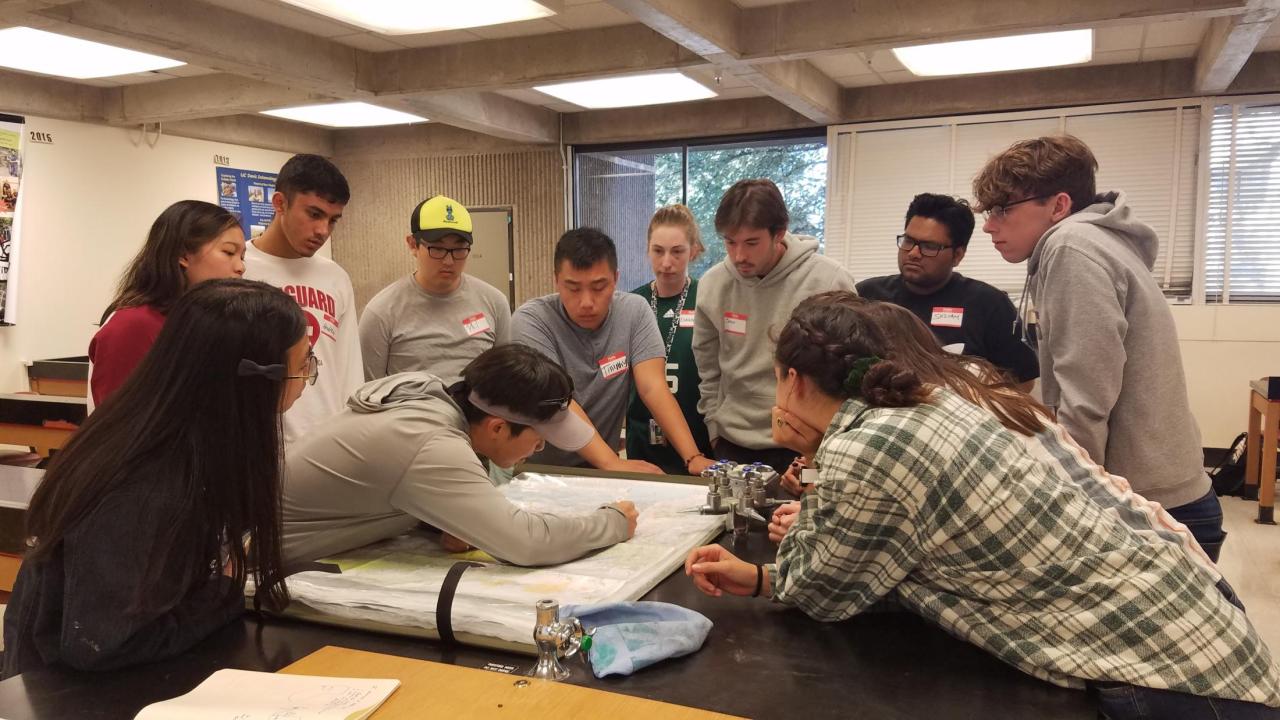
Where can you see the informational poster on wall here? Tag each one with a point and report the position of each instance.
(247, 193)
(12, 132)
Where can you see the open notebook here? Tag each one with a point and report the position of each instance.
(245, 695)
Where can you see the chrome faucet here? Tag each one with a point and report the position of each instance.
(554, 637)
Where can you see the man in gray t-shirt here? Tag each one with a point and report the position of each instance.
(407, 328)
(437, 319)
(605, 340)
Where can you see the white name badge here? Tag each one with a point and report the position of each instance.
(613, 365)
(947, 317)
(735, 323)
(686, 318)
(475, 324)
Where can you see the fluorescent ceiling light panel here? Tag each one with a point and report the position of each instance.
(344, 115)
(630, 91)
(37, 51)
(1016, 52)
(408, 17)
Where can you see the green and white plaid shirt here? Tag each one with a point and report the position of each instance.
(940, 509)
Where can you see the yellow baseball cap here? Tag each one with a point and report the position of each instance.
(439, 217)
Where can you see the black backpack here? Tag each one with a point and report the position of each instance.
(1228, 475)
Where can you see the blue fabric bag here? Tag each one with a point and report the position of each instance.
(632, 635)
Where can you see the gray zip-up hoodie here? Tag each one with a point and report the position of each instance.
(1109, 358)
(731, 341)
(401, 453)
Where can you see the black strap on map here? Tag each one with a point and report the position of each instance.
(444, 601)
(295, 568)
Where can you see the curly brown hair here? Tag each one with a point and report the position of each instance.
(1035, 168)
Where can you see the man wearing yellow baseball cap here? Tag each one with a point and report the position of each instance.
(438, 318)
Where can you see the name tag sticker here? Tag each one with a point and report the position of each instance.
(475, 324)
(735, 323)
(686, 318)
(613, 365)
(947, 317)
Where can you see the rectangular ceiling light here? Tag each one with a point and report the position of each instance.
(37, 51)
(345, 115)
(1016, 52)
(630, 91)
(398, 17)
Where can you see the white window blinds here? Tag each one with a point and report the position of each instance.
(1242, 234)
(876, 170)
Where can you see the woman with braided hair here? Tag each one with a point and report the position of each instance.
(926, 501)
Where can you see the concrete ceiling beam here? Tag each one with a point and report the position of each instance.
(1229, 42)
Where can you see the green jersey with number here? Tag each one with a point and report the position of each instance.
(682, 379)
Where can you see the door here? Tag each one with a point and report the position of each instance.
(490, 258)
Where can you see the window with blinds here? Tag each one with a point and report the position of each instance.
(1242, 233)
(876, 170)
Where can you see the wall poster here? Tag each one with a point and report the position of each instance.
(12, 134)
(247, 193)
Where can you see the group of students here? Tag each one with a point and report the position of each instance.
(942, 488)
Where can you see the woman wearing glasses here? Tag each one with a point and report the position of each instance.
(408, 447)
(926, 501)
(146, 526)
(437, 319)
(190, 242)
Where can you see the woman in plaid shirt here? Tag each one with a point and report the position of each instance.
(926, 501)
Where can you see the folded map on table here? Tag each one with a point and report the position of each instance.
(392, 585)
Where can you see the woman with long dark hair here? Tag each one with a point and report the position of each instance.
(190, 242)
(147, 524)
(927, 501)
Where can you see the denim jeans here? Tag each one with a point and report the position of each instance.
(1203, 518)
(1117, 701)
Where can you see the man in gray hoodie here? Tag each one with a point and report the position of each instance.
(1109, 358)
(767, 271)
(405, 450)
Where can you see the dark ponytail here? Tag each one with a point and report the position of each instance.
(841, 349)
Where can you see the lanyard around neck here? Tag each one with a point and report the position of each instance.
(675, 322)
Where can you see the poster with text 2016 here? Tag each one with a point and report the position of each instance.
(247, 193)
(12, 128)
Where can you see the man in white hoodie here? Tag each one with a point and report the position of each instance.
(1109, 358)
(767, 271)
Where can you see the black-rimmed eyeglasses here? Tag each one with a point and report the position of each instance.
(437, 253)
(906, 243)
(998, 212)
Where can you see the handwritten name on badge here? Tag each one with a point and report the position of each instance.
(735, 323)
(947, 317)
(613, 365)
(686, 318)
(475, 324)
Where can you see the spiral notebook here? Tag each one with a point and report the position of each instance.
(246, 695)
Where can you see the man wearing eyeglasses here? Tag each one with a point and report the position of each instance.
(967, 316)
(1108, 346)
(438, 318)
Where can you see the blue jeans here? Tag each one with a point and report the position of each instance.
(1203, 518)
(1117, 701)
